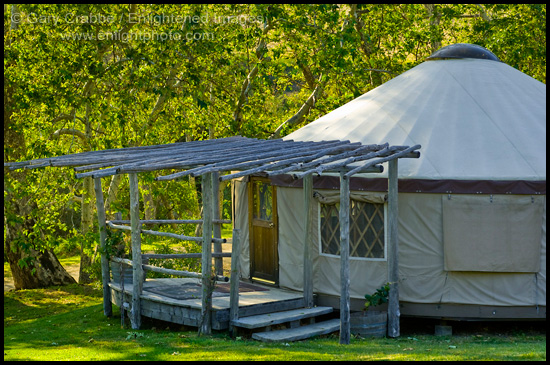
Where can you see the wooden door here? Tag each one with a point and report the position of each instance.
(264, 258)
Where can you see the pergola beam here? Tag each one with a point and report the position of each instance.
(407, 152)
(243, 156)
(247, 159)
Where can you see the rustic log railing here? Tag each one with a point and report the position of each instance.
(122, 260)
(171, 221)
(183, 273)
(197, 255)
(206, 256)
(165, 234)
(217, 231)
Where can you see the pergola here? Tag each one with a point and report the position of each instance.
(229, 158)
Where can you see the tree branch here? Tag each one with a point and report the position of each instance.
(310, 80)
(365, 45)
(63, 116)
(247, 83)
(169, 85)
(304, 110)
(112, 192)
(72, 132)
(435, 17)
(483, 13)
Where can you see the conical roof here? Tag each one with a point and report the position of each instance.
(476, 119)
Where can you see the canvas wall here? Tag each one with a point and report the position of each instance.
(421, 249)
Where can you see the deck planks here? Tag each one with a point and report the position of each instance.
(188, 311)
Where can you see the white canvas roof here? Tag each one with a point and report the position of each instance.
(476, 119)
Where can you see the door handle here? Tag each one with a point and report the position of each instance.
(271, 225)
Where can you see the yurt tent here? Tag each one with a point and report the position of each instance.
(472, 209)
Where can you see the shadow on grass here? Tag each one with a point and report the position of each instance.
(28, 304)
(76, 331)
(67, 323)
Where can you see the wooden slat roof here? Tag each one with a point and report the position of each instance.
(239, 155)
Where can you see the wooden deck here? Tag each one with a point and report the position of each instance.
(179, 300)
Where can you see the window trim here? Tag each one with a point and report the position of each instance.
(354, 258)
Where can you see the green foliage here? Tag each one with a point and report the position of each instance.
(379, 297)
(115, 245)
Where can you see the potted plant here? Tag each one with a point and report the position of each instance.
(370, 322)
(379, 297)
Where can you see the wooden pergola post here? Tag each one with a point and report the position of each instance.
(308, 264)
(393, 251)
(100, 206)
(345, 329)
(234, 291)
(217, 227)
(137, 269)
(207, 284)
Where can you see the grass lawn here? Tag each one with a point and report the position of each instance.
(67, 323)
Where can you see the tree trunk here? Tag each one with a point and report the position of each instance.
(365, 45)
(48, 271)
(150, 208)
(111, 194)
(434, 17)
(43, 268)
(261, 49)
(88, 194)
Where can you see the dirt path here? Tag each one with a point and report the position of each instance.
(8, 284)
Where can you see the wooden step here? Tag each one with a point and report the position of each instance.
(264, 320)
(299, 333)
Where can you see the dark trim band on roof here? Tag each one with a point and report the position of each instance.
(521, 187)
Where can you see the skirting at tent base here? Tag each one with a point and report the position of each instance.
(471, 312)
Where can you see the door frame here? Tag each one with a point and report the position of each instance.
(251, 220)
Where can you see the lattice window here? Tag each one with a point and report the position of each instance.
(366, 229)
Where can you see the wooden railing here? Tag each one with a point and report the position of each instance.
(162, 270)
(120, 224)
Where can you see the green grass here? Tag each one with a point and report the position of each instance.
(67, 323)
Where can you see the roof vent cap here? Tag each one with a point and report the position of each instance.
(463, 50)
